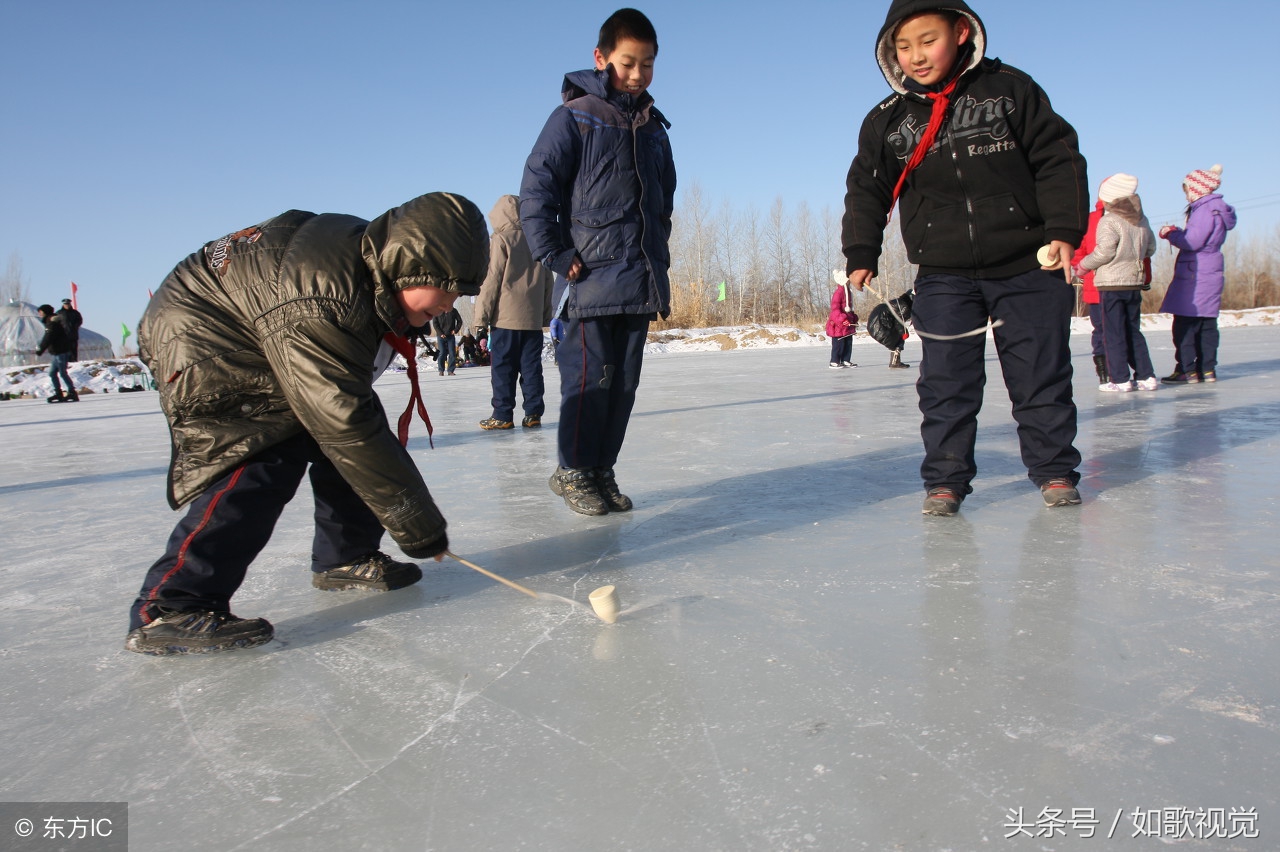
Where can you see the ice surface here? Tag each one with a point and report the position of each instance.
(810, 663)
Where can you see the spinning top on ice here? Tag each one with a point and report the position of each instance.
(604, 601)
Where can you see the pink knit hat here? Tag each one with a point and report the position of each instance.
(1200, 182)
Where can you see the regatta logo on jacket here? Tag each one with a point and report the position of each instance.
(969, 119)
(219, 257)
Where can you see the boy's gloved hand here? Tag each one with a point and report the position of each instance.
(557, 329)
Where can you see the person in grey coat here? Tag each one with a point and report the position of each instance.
(1123, 240)
(515, 305)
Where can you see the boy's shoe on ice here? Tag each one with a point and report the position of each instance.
(1204, 377)
(1121, 387)
(1059, 492)
(834, 365)
(533, 421)
(1187, 378)
(941, 500)
(579, 489)
(1149, 384)
(375, 571)
(847, 364)
(613, 498)
(491, 423)
(197, 632)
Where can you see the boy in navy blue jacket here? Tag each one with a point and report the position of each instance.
(595, 206)
(986, 173)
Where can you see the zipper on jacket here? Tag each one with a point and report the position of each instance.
(970, 215)
(644, 217)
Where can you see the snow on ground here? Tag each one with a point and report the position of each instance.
(129, 374)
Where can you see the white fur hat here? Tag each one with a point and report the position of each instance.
(1117, 187)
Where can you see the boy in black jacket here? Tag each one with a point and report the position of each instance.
(987, 173)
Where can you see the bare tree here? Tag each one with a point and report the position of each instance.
(13, 286)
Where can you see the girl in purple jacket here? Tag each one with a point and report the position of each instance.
(1195, 293)
(841, 323)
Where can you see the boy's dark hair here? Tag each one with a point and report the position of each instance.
(948, 15)
(47, 310)
(626, 23)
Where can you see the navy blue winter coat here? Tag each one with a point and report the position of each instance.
(600, 183)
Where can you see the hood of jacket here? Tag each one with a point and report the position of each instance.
(505, 215)
(1128, 208)
(592, 82)
(887, 54)
(436, 240)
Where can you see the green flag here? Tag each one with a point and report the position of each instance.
(720, 296)
(126, 333)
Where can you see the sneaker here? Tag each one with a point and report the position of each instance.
(492, 423)
(375, 571)
(533, 421)
(1059, 492)
(197, 632)
(847, 364)
(1182, 379)
(834, 365)
(579, 489)
(1149, 384)
(613, 498)
(1204, 377)
(941, 500)
(1122, 387)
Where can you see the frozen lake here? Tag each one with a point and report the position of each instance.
(810, 663)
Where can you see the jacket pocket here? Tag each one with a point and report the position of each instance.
(937, 236)
(599, 235)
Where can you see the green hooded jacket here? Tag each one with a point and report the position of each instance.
(273, 330)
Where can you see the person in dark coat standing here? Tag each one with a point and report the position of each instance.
(58, 342)
(73, 320)
(445, 327)
(987, 174)
(595, 204)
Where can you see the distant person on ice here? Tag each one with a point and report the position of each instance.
(515, 305)
(842, 322)
(1123, 242)
(74, 319)
(1194, 296)
(987, 173)
(57, 340)
(266, 344)
(595, 205)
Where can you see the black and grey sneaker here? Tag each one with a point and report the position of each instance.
(579, 489)
(941, 500)
(1059, 492)
(197, 632)
(532, 421)
(613, 498)
(374, 571)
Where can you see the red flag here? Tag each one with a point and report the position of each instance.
(149, 294)
(74, 288)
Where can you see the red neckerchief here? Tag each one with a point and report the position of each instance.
(941, 101)
(405, 349)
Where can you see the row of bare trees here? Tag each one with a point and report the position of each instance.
(776, 266)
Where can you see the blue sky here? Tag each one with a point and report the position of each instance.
(131, 133)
